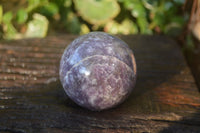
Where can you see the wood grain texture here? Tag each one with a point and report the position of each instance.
(32, 99)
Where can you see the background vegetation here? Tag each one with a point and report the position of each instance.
(38, 18)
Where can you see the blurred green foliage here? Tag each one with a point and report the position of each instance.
(37, 18)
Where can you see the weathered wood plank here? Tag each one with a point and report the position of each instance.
(165, 98)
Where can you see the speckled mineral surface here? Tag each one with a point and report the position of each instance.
(98, 71)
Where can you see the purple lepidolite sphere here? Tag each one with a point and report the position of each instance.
(98, 71)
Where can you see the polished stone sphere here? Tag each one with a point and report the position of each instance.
(98, 71)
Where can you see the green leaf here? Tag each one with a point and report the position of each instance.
(7, 17)
(112, 27)
(150, 4)
(32, 4)
(8, 28)
(21, 16)
(37, 27)
(1, 13)
(159, 19)
(49, 10)
(143, 25)
(138, 11)
(73, 25)
(84, 29)
(67, 3)
(126, 27)
(9, 31)
(129, 4)
(120, 0)
(136, 7)
(97, 11)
